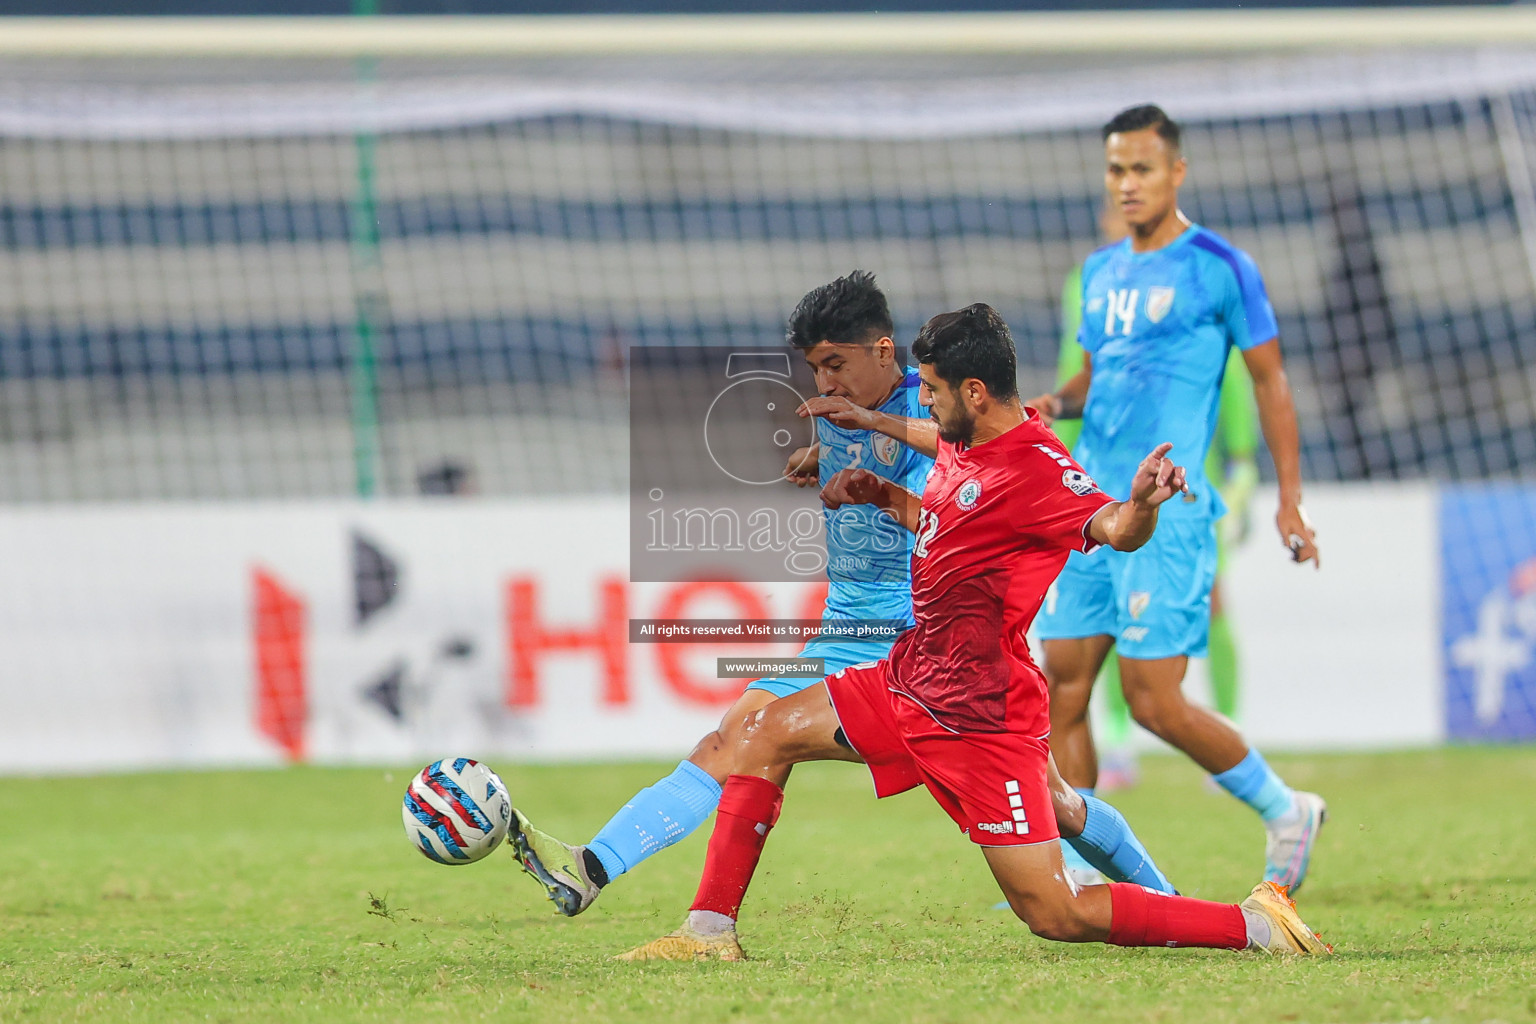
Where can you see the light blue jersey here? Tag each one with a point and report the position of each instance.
(869, 557)
(1159, 326)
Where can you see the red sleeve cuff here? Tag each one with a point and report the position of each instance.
(1088, 542)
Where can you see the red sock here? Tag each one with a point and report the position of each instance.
(749, 807)
(1141, 917)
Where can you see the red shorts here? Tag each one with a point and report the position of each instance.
(993, 784)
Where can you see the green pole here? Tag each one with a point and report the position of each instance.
(368, 291)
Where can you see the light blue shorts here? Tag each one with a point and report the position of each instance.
(1155, 601)
(837, 655)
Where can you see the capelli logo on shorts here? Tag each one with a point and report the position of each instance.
(997, 828)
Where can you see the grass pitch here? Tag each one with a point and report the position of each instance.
(293, 896)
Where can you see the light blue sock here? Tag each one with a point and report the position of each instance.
(655, 818)
(1255, 783)
(1109, 844)
(1069, 856)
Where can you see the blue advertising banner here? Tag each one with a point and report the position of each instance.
(1488, 611)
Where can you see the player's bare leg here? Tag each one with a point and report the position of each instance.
(574, 875)
(716, 751)
(1070, 807)
(799, 727)
(1292, 819)
(1071, 666)
(1035, 882)
(1154, 691)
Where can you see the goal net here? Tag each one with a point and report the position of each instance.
(268, 277)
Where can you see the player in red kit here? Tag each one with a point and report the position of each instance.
(959, 706)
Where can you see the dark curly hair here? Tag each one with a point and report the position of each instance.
(970, 342)
(851, 310)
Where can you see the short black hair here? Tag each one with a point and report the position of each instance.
(849, 311)
(970, 342)
(1148, 115)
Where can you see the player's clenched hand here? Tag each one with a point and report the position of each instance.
(1297, 534)
(1048, 406)
(853, 487)
(839, 410)
(1157, 478)
(802, 465)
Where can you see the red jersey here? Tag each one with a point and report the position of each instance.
(997, 523)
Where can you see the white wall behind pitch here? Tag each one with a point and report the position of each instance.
(1346, 656)
(127, 631)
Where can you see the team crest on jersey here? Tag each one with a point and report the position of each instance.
(1138, 603)
(886, 449)
(1078, 482)
(1159, 302)
(968, 494)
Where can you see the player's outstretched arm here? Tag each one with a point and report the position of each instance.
(1277, 418)
(861, 487)
(1127, 525)
(922, 436)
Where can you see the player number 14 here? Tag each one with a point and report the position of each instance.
(1122, 307)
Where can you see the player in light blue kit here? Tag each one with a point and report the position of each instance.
(844, 331)
(1161, 311)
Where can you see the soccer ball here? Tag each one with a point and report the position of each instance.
(456, 811)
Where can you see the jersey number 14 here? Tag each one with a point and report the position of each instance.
(1121, 305)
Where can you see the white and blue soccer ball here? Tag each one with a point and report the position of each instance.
(456, 811)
